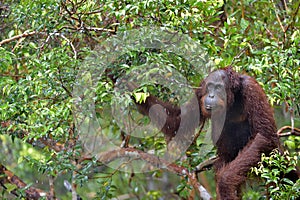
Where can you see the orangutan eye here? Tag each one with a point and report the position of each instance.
(219, 87)
(210, 86)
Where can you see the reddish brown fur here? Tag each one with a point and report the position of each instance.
(249, 129)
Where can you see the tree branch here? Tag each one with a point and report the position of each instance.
(278, 19)
(110, 156)
(206, 164)
(8, 177)
(25, 34)
(295, 131)
(42, 141)
(294, 18)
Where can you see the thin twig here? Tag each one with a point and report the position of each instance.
(71, 44)
(52, 144)
(295, 131)
(279, 20)
(98, 29)
(62, 83)
(206, 164)
(294, 18)
(25, 34)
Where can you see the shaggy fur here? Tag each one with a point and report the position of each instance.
(247, 130)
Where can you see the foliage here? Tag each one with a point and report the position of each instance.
(44, 45)
(272, 168)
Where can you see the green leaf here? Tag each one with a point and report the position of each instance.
(244, 24)
(290, 144)
(10, 187)
(140, 97)
(11, 33)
